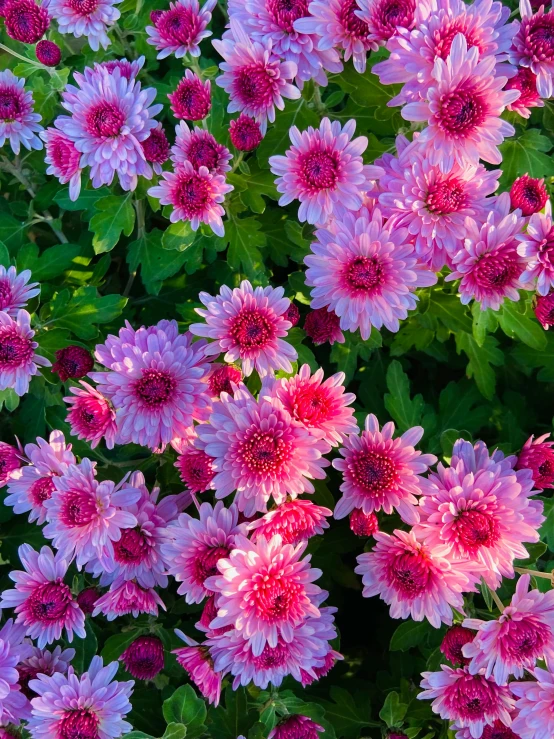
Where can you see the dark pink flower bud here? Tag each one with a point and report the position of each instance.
(48, 53)
(529, 194)
(72, 362)
(245, 133)
(322, 325)
(452, 644)
(144, 658)
(363, 524)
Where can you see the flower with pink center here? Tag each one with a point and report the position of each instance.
(45, 662)
(72, 362)
(453, 643)
(495, 731)
(87, 598)
(323, 168)
(259, 451)
(89, 18)
(533, 45)
(363, 524)
(14, 290)
(181, 29)
(292, 314)
(195, 469)
(254, 77)
(222, 377)
(196, 660)
(366, 271)
(296, 727)
(247, 324)
(381, 472)
(544, 310)
(472, 701)
(295, 521)
(144, 658)
(323, 325)
(92, 706)
(245, 133)
(154, 382)
(529, 194)
(63, 160)
(25, 21)
(18, 359)
(386, 18)
(534, 717)
(31, 485)
(127, 69)
(537, 248)
(526, 82)
(537, 455)
(126, 597)
(265, 590)
(156, 148)
(85, 517)
(10, 461)
(41, 599)
(18, 121)
(192, 98)
(91, 416)
(462, 108)
(14, 705)
(200, 148)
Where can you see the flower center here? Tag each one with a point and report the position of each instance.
(179, 25)
(10, 106)
(444, 37)
(271, 657)
(251, 329)
(285, 12)
(132, 548)
(394, 13)
(78, 724)
(15, 350)
(540, 36)
(498, 731)
(196, 469)
(355, 26)
(311, 405)
(202, 153)
(525, 639)
(476, 529)
(155, 387)
(375, 473)
(273, 598)
(192, 194)
(41, 490)
(409, 574)
(49, 602)
(446, 197)
(319, 170)
(254, 86)
(472, 697)
(263, 452)
(461, 111)
(496, 271)
(84, 7)
(205, 564)
(105, 120)
(78, 509)
(364, 273)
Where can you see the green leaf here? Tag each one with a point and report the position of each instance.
(487, 595)
(514, 323)
(404, 411)
(393, 710)
(482, 359)
(175, 731)
(535, 552)
(185, 707)
(50, 263)
(12, 231)
(5, 260)
(179, 236)
(530, 358)
(245, 242)
(85, 649)
(85, 201)
(484, 322)
(347, 354)
(450, 311)
(156, 263)
(526, 154)
(409, 634)
(138, 735)
(253, 186)
(114, 215)
(231, 721)
(461, 406)
(81, 311)
(348, 716)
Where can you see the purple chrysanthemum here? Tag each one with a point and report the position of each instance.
(10, 461)
(18, 121)
(18, 359)
(533, 46)
(180, 29)
(526, 83)
(156, 148)
(126, 597)
(88, 18)
(14, 705)
(45, 662)
(25, 21)
(16, 290)
(534, 717)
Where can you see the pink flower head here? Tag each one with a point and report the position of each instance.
(529, 194)
(14, 706)
(537, 455)
(18, 360)
(195, 545)
(127, 597)
(533, 47)
(31, 485)
(200, 148)
(192, 98)
(14, 290)
(222, 377)
(472, 701)
(265, 590)
(156, 148)
(85, 517)
(247, 323)
(91, 416)
(195, 469)
(88, 18)
(18, 121)
(381, 472)
(254, 77)
(63, 160)
(87, 598)
(196, 660)
(245, 133)
(544, 310)
(292, 314)
(363, 524)
(295, 521)
(127, 69)
(537, 248)
(92, 705)
(463, 107)
(526, 82)
(323, 325)
(534, 706)
(385, 18)
(453, 643)
(144, 658)
(41, 599)
(181, 29)
(10, 462)
(72, 362)
(323, 168)
(296, 727)
(45, 662)
(25, 21)
(154, 382)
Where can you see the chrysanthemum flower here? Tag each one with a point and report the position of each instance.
(537, 248)
(323, 325)
(265, 590)
(497, 730)
(295, 521)
(415, 579)
(192, 98)
(14, 705)
(222, 377)
(322, 168)
(544, 310)
(181, 29)
(247, 324)
(533, 47)
(537, 455)
(91, 416)
(292, 314)
(463, 108)
(381, 472)
(156, 148)
(144, 658)
(92, 705)
(386, 18)
(534, 706)
(18, 359)
(126, 597)
(10, 460)
(254, 77)
(72, 362)
(127, 69)
(45, 662)
(195, 545)
(14, 290)
(89, 18)
(526, 82)
(25, 21)
(41, 599)
(296, 727)
(63, 160)
(245, 133)
(529, 194)
(472, 701)
(48, 53)
(195, 469)
(363, 524)
(87, 598)
(200, 148)
(196, 660)
(453, 643)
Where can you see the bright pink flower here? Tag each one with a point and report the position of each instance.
(533, 46)
(381, 472)
(200, 148)
(495, 731)
(41, 599)
(363, 524)
(537, 455)
(247, 323)
(463, 108)
(181, 29)
(127, 597)
(196, 660)
(144, 658)
(544, 310)
(156, 148)
(537, 248)
(472, 701)
(88, 18)
(91, 416)
(528, 194)
(127, 69)
(526, 82)
(63, 160)
(14, 290)
(195, 469)
(191, 98)
(45, 662)
(18, 360)
(72, 362)
(294, 520)
(534, 706)
(296, 727)
(453, 643)
(18, 121)
(245, 133)
(222, 377)
(386, 18)
(323, 325)
(10, 461)
(14, 705)
(25, 21)
(48, 53)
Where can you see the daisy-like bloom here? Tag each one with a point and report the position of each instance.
(91, 416)
(495, 731)
(89, 18)
(25, 21)
(87, 598)
(522, 634)
(472, 701)
(200, 148)
(537, 248)
(247, 324)
(245, 133)
(323, 325)
(72, 361)
(529, 194)
(85, 517)
(14, 290)
(544, 310)
(260, 452)
(222, 377)
(537, 455)
(296, 727)
(265, 590)
(156, 148)
(154, 383)
(63, 159)
(533, 46)
(31, 485)
(10, 461)
(386, 18)
(41, 599)
(381, 472)
(92, 705)
(363, 524)
(14, 705)
(18, 121)
(365, 271)
(126, 597)
(45, 662)
(192, 98)
(254, 77)
(196, 660)
(48, 53)
(18, 359)
(110, 116)
(181, 29)
(462, 108)
(195, 469)
(526, 82)
(323, 168)
(295, 521)
(453, 643)
(534, 706)
(144, 658)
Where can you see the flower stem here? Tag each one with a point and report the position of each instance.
(139, 208)
(319, 105)
(534, 573)
(28, 61)
(497, 600)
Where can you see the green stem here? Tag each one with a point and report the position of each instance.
(534, 573)
(237, 161)
(319, 106)
(26, 60)
(497, 600)
(141, 228)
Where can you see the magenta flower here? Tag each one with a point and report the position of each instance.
(14, 706)
(534, 706)
(196, 660)
(245, 133)
(18, 360)
(323, 325)
(363, 524)
(385, 18)
(10, 460)
(126, 597)
(296, 727)
(195, 469)
(45, 662)
(537, 455)
(529, 194)
(18, 121)
(72, 362)
(247, 323)
(156, 148)
(544, 310)
(537, 248)
(14, 290)
(192, 98)
(41, 599)
(453, 643)
(222, 377)
(92, 705)
(526, 82)
(201, 149)
(532, 45)
(25, 21)
(90, 19)
(91, 416)
(63, 159)
(181, 29)
(87, 598)
(254, 77)
(295, 521)
(127, 69)
(144, 658)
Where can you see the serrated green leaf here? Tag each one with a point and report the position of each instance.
(409, 634)
(156, 263)
(185, 707)
(179, 236)
(114, 215)
(50, 263)
(526, 154)
(482, 359)
(80, 312)
(277, 141)
(393, 710)
(245, 241)
(405, 411)
(175, 731)
(516, 324)
(86, 200)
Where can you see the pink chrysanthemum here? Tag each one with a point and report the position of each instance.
(196, 660)
(181, 29)
(87, 598)
(323, 325)
(200, 148)
(529, 194)
(31, 485)
(63, 160)
(537, 455)
(544, 310)
(10, 461)
(537, 248)
(41, 599)
(385, 18)
(48, 53)
(195, 469)
(265, 590)
(91, 416)
(127, 598)
(526, 82)
(72, 362)
(363, 524)
(154, 383)
(295, 521)
(415, 579)
(323, 168)
(18, 121)
(127, 69)
(18, 360)
(156, 148)
(85, 517)
(463, 108)
(534, 706)
(88, 18)
(495, 731)
(472, 701)
(14, 290)
(533, 45)
(255, 79)
(144, 658)
(381, 472)
(296, 727)
(45, 662)
(453, 643)
(222, 377)
(25, 21)
(247, 324)
(14, 705)
(192, 98)
(245, 133)
(195, 545)
(92, 705)
(292, 314)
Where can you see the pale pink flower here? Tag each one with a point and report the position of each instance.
(14, 290)
(537, 455)
(19, 124)
(127, 597)
(497, 730)
(294, 520)
(386, 18)
(196, 660)
(537, 248)
(532, 45)
(181, 29)
(296, 727)
(91, 416)
(63, 159)
(200, 148)
(90, 19)
(19, 361)
(534, 706)
(42, 661)
(127, 69)
(526, 82)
